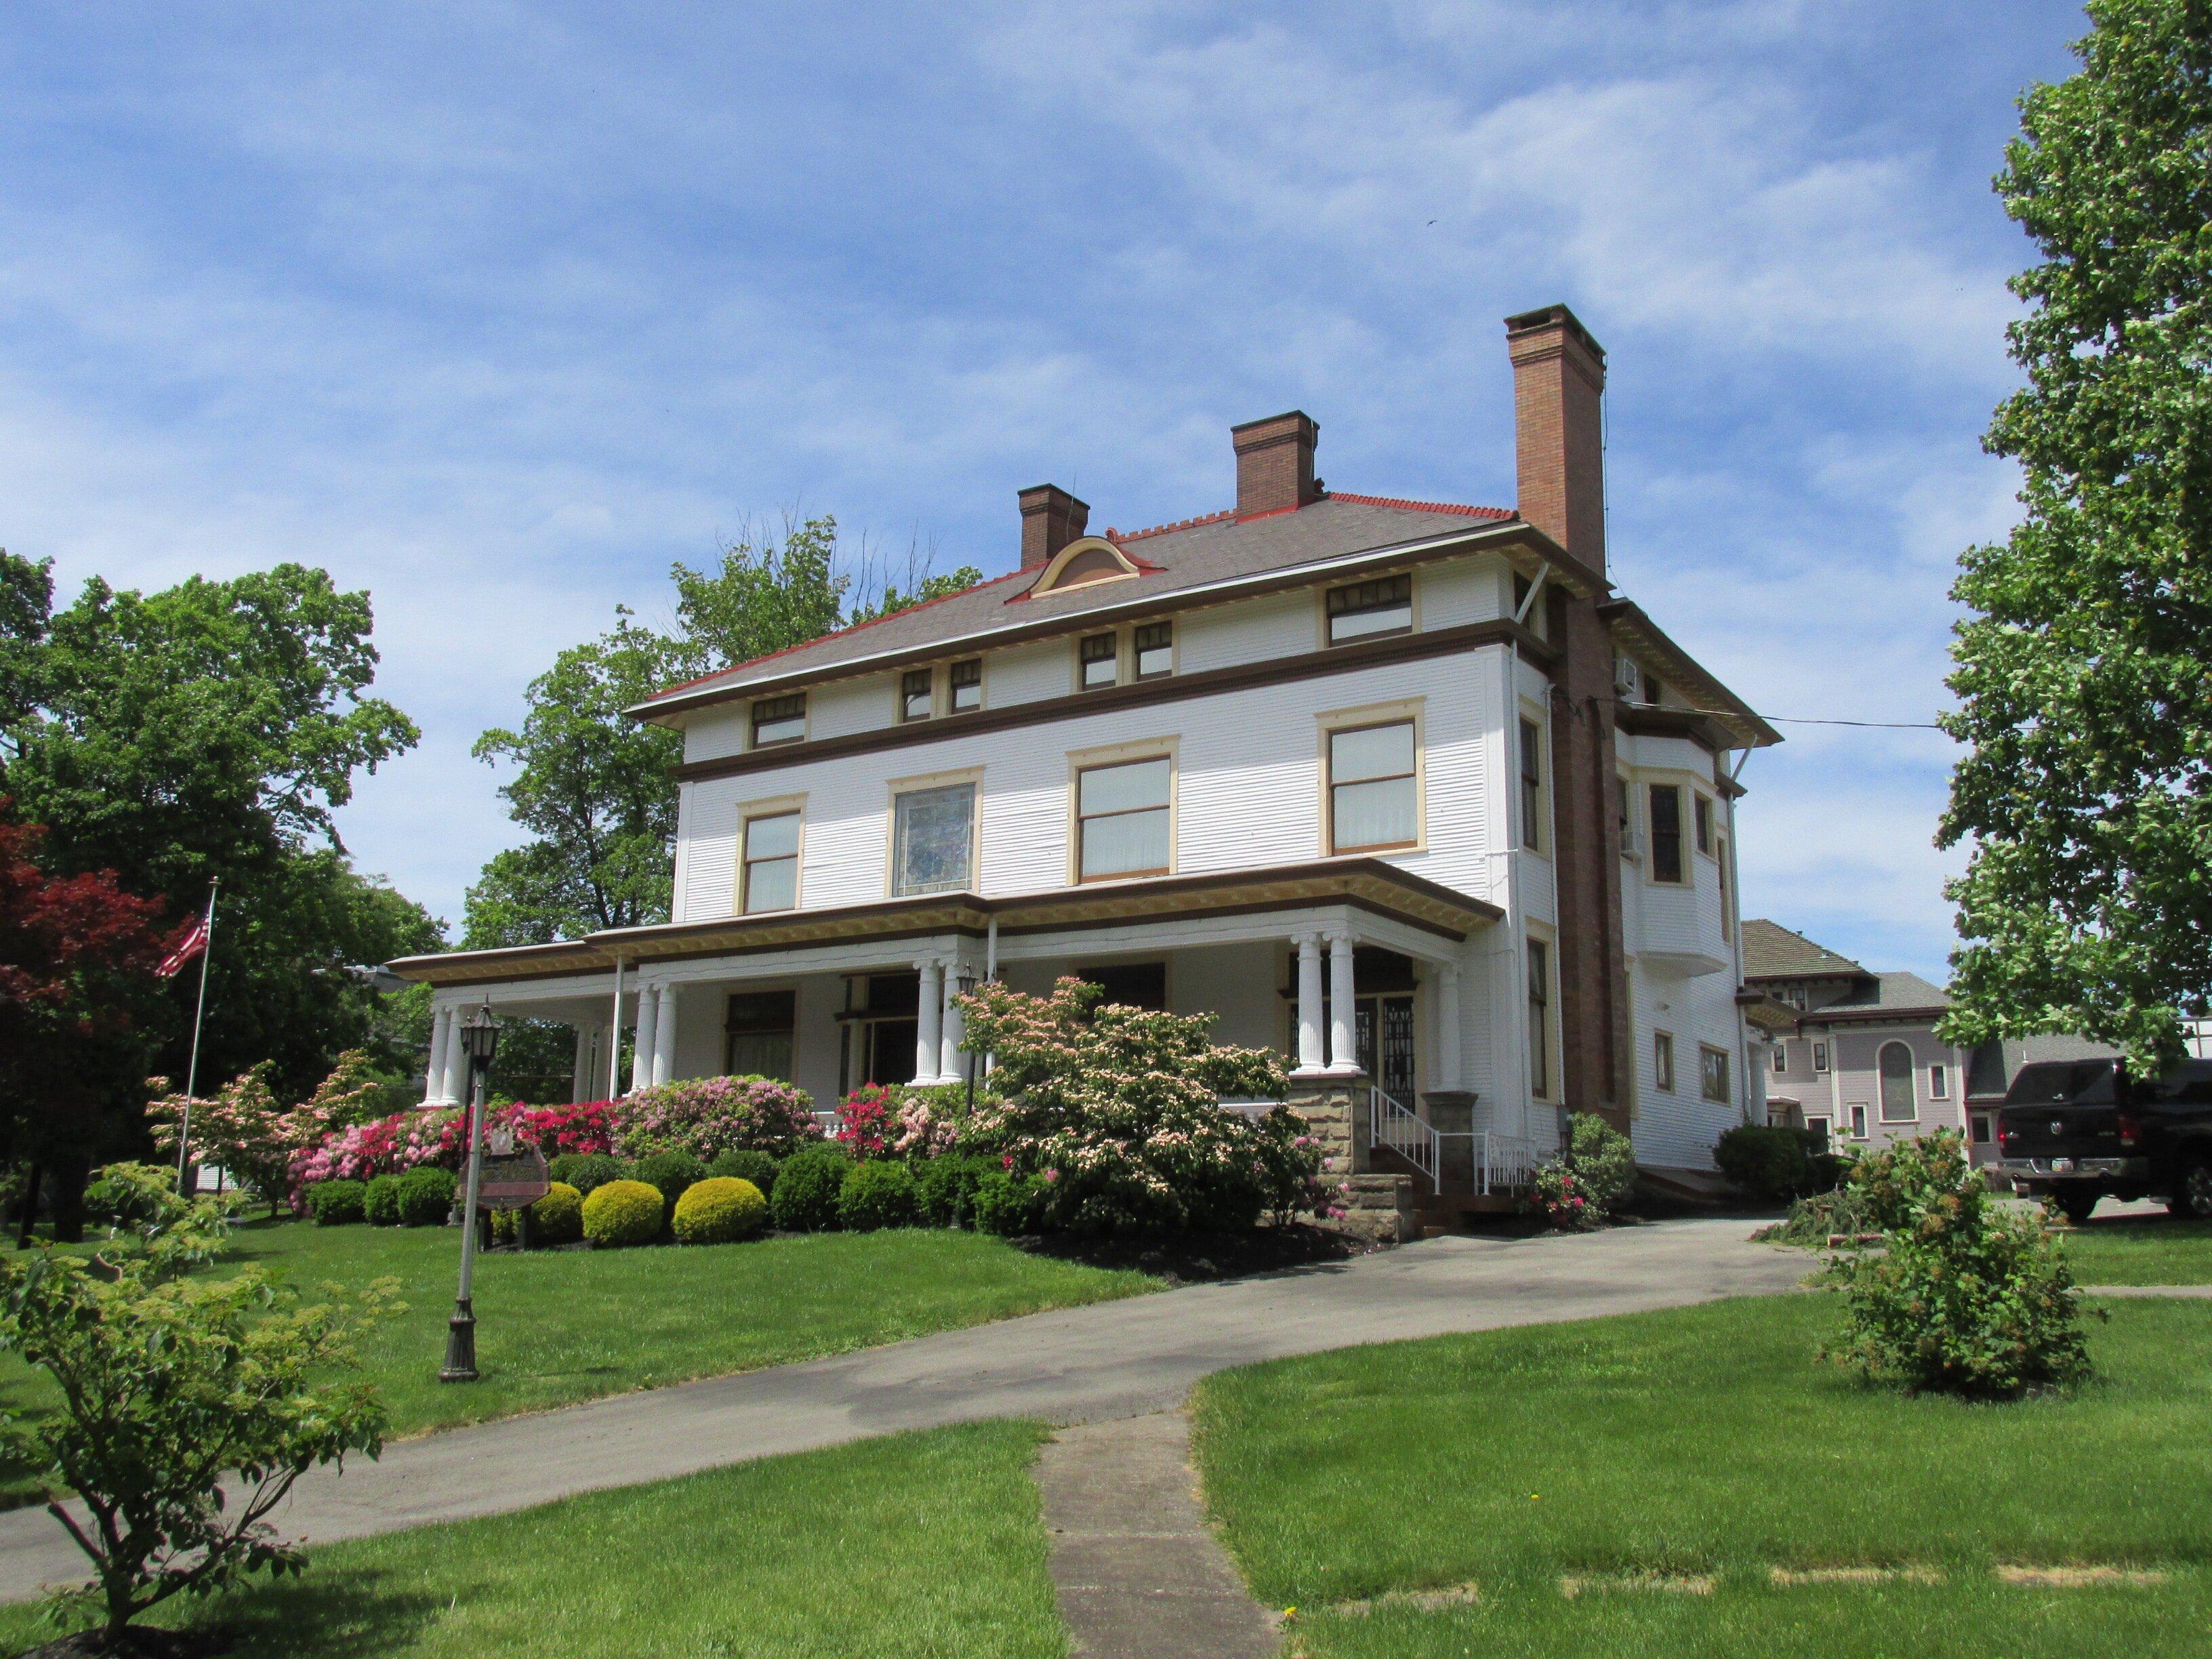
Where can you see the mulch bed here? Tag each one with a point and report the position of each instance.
(1204, 1258)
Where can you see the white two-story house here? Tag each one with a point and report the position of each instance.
(1403, 789)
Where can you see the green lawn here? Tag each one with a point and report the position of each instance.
(558, 1326)
(2141, 1249)
(1708, 1442)
(917, 1546)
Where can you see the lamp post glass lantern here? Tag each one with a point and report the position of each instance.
(479, 1034)
(965, 983)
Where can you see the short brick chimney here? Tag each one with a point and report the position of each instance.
(1275, 463)
(1051, 519)
(1558, 383)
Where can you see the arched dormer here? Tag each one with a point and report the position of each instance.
(1086, 560)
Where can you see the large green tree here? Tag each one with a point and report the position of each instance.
(207, 732)
(2084, 671)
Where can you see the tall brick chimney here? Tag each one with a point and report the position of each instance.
(1051, 518)
(1275, 463)
(1558, 381)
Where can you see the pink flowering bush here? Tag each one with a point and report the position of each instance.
(1558, 1194)
(868, 1120)
(706, 1117)
(930, 1121)
(589, 1127)
(1116, 1111)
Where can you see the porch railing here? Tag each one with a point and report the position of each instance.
(1503, 1164)
(1390, 1125)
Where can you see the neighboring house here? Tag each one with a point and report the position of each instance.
(1403, 789)
(1853, 1054)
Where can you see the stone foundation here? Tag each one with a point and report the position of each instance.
(1378, 1207)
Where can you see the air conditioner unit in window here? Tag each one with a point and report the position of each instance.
(1627, 679)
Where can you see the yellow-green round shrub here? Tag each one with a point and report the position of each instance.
(556, 1219)
(622, 1212)
(719, 1211)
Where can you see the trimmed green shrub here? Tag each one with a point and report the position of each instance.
(1009, 1205)
(556, 1219)
(944, 1189)
(806, 1189)
(1603, 1160)
(878, 1194)
(622, 1212)
(586, 1171)
(426, 1196)
(746, 1163)
(379, 1205)
(335, 1203)
(670, 1173)
(720, 1210)
(1765, 1163)
(129, 1194)
(1967, 1297)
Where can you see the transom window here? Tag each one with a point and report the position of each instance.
(1539, 1019)
(771, 863)
(1121, 819)
(933, 839)
(1667, 833)
(1713, 1073)
(1371, 793)
(1532, 786)
(779, 720)
(914, 695)
(1897, 1104)
(1365, 609)
(965, 680)
(1154, 645)
(1098, 662)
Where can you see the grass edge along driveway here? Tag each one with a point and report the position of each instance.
(1669, 1461)
(921, 1546)
(556, 1327)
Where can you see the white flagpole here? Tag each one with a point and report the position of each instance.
(192, 1073)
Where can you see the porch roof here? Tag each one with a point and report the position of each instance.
(1367, 884)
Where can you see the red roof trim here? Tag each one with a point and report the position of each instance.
(1118, 537)
(839, 634)
(1458, 508)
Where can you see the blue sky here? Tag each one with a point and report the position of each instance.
(496, 309)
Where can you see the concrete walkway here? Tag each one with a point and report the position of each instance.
(1138, 1572)
(1079, 1365)
(2171, 1293)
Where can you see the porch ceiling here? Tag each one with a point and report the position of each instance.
(1367, 884)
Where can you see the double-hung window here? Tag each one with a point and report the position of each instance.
(1701, 815)
(757, 1033)
(1540, 1020)
(1894, 1066)
(1098, 662)
(964, 680)
(770, 877)
(1153, 644)
(1367, 610)
(1667, 833)
(1372, 789)
(933, 839)
(914, 696)
(1121, 814)
(1663, 1062)
(779, 720)
(1713, 1073)
(1781, 1056)
(1532, 786)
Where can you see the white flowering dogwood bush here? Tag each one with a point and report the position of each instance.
(1115, 1113)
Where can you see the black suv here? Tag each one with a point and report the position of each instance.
(2080, 1130)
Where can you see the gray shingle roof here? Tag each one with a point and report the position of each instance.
(1773, 952)
(1172, 559)
(1878, 991)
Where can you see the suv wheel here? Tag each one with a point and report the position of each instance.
(2078, 1201)
(2194, 1198)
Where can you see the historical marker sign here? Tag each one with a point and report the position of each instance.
(513, 1182)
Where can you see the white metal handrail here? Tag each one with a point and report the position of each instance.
(1389, 1124)
(1502, 1163)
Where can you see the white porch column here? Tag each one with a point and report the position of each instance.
(1448, 1042)
(648, 1022)
(951, 1063)
(579, 1075)
(1343, 1047)
(454, 1090)
(434, 1070)
(929, 1032)
(614, 1037)
(664, 1038)
(1311, 1056)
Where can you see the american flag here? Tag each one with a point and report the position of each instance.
(187, 947)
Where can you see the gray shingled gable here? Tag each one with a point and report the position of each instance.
(1221, 549)
(1897, 990)
(1773, 951)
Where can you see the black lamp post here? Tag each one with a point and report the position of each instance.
(479, 1034)
(965, 981)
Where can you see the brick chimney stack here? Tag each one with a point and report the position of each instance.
(1558, 381)
(1275, 463)
(1051, 519)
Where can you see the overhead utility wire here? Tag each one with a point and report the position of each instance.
(1788, 720)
